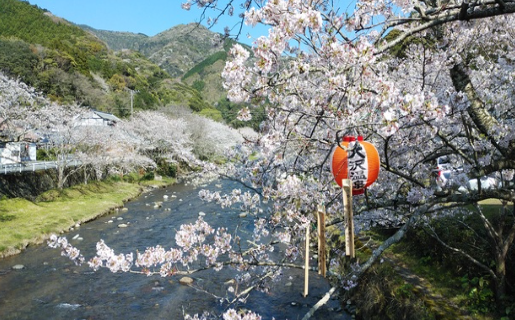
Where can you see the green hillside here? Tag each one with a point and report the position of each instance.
(191, 53)
(70, 65)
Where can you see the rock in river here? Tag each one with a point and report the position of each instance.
(186, 281)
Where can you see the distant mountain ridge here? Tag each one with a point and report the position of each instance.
(189, 52)
(176, 50)
(117, 40)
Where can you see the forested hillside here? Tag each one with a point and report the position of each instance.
(189, 52)
(69, 64)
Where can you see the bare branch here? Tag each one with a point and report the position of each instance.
(464, 254)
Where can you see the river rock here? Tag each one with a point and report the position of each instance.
(18, 267)
(243, 214)
(125, 209)
(110, 221)
(76, 237)
(71, 306)
(202, 214)
(186, 281)
(123, 225)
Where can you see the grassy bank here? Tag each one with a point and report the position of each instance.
(23, 222)
(418, 278)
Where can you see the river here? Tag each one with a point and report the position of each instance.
(52, 287)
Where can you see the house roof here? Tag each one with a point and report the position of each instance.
(107, 116)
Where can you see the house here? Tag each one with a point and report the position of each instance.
(16, 152)
(98, 118)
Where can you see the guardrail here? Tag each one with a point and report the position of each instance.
(33, 166)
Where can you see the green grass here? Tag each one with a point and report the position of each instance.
(165, 181)
(23, 222)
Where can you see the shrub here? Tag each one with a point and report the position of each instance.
(131, 177)
(149, 176)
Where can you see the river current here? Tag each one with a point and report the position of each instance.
(48, 286)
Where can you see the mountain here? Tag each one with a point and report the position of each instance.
(69, 64)
(192, 54)
(176, 50)
(188, 52)
(117, 40)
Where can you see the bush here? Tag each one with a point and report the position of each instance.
(164, 168)
(131, 177)
(44, 155)
(149, 176)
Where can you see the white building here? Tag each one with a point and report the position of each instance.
(16, 152)
(98, 118)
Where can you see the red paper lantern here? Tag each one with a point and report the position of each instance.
(359, 162)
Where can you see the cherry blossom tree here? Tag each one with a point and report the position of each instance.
(110, 150)
(17, 103)
(69, 140)
(211, 139)
(421, 79)
(156, 135)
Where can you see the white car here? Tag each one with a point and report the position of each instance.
(445, 173)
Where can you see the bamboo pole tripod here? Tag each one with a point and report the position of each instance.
(349, 234)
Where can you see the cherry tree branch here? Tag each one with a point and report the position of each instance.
(462, 253)
(444, 14)
(392, 240)
(320, 303)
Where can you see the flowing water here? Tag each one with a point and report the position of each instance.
(52, 287)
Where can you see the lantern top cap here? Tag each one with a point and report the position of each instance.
(352, 138)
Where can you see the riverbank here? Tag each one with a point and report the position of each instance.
(23, 222)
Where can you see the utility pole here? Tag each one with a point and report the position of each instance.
(132, 99)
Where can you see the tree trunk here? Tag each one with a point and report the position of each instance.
(483, 120)
(60, 176)
(477, 111)
(500, 272)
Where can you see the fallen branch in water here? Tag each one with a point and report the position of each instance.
(320, 303)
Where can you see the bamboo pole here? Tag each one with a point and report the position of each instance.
(306, 266)
(321, 241)
(348, 217)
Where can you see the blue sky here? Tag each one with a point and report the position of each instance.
(139, 16)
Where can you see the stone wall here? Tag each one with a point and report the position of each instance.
(30, 184)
